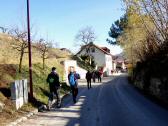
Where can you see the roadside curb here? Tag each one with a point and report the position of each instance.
(26, 117)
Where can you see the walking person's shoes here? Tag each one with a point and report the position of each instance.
(58, 106)
(74, 100)
(49, 105)
(48, 108)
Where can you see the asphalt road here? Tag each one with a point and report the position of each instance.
(113, 103)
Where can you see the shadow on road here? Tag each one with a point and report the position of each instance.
(113, 103)
(73, 114)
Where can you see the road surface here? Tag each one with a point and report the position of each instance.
(114, 103)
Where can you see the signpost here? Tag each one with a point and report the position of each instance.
(19, 93)
(29, 48)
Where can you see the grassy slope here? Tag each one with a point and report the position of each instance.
(9, 59)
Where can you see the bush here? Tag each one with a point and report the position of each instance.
(82, 64)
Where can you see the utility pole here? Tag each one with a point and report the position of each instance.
(29, 48)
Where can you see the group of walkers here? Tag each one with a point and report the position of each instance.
(92, 76)
(73, 76)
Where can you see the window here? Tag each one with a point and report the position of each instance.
(88, 50)
(93, 50)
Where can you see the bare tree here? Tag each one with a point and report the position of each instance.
(3, 29)
(156, 10)
(43, 47)
(153, 18)
(85, 36)
(20, 44)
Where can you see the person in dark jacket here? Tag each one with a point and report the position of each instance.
(94, 76)
(73, 81)
(100, 76)
(89, 79)
(54, 85)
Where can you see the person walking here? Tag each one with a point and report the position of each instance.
(94, 76)
(89, 79)
(54, 85)
(73, 81)
(100, 76)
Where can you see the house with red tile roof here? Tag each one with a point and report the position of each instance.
(101, 55)
(119, 62)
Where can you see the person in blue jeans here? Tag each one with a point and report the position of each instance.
(73, 81)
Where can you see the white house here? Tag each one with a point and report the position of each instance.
(101, 56)
(119, 62)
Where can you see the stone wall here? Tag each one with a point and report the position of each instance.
(152, 78)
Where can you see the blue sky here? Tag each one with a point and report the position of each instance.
(60, 20)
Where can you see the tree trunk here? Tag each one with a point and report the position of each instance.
(43, 62)
(20, 62)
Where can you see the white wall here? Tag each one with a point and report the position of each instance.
(114, 66)
(67, 65)
(109, 64)
(98, 55)
(101, 59)
(82, 72)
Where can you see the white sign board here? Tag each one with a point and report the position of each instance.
(19, 93)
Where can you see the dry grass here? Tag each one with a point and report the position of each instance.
(9, 59)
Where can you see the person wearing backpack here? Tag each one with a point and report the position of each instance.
(72, 78)
(77, 76)
(54, 85)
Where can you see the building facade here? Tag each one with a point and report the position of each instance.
(101, 56)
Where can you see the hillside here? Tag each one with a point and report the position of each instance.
(9, 62)
(9, 59)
